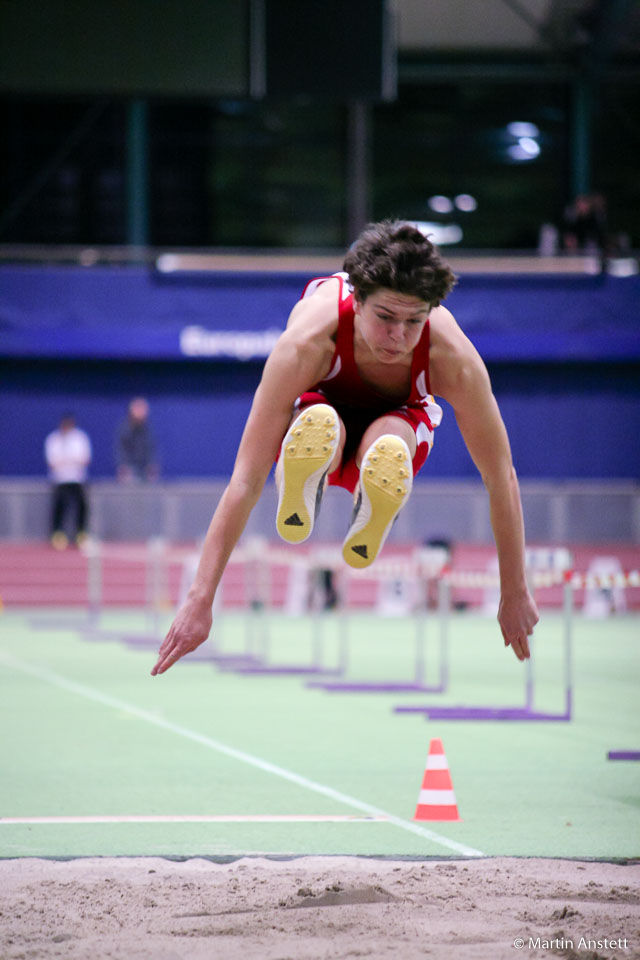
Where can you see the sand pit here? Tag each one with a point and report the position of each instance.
(314, 908)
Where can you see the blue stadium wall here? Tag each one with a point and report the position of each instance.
(563, 354)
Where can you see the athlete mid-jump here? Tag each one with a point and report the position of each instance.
(347, 398)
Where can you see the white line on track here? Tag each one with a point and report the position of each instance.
(199, 818)
(57, 680)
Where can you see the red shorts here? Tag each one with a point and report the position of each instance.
(356, 422)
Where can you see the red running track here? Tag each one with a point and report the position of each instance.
(34, 574)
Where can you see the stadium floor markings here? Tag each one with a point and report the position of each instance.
(58, 680)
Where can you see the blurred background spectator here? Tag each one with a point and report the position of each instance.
(584, 228)
(136, 448)
(68, 455)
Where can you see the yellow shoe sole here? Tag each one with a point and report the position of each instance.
(306, 455)
(386, 479)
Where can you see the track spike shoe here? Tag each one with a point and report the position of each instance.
(386, 479)
(306, 454)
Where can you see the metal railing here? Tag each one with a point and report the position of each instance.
(566, 512)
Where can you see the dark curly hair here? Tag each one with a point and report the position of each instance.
(395, 255)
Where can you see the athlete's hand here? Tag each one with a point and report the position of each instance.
(517, 616)
(190, 628)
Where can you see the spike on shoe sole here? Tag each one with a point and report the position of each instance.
(386, 479)
(307, 451)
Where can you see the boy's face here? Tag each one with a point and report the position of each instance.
(391, 323)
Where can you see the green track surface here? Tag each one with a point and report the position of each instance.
(87, 731)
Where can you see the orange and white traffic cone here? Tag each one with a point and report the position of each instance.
(437, 800)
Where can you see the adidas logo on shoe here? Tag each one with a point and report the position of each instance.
(294, 521)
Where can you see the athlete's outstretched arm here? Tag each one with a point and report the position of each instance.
(468, 389)
(298, 360)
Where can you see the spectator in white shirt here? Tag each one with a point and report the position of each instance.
(68, 454)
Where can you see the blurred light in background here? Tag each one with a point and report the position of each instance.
(520, 128)
(465, 202)
(524, 149)
(440, 204)
(522, 141)
(442, 234)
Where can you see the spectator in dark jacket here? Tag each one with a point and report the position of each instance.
(136, 448)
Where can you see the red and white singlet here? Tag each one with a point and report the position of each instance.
(358, 403)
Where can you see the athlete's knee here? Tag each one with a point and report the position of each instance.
(397, 426)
